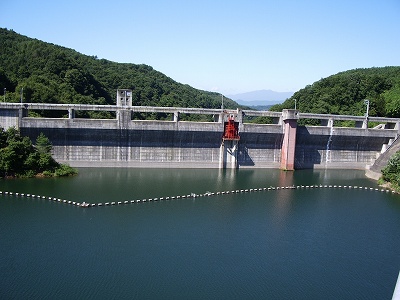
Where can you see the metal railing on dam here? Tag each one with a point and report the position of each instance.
(189, 110)
(127, 142)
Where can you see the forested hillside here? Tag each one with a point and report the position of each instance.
(49, 73)
(345, 92)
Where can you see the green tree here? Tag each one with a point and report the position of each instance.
(43, 144)
(391, 173)
(14, 152)
(19, 157)
(392, 101)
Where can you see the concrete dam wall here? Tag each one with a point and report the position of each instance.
(142, 143)
(123, 142)
(151, 143)
(338, 147)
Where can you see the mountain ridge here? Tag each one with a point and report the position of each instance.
(261, 97)
(48, 73)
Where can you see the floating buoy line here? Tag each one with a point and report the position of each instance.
(192, 195)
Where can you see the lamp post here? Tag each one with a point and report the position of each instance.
(222, 102)
(5, 94)
(295, 104)
(22, 94)
(366, 101)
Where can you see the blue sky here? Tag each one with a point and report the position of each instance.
(228, 46)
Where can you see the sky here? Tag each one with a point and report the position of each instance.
(226, 46)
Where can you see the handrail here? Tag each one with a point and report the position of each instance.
(188, 110)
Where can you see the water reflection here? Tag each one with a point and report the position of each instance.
(286, 178)
(283, 201)
(119, 184)
(225, 176)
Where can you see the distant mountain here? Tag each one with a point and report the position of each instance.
(261, 97)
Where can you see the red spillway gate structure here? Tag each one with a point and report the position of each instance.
(231, 130)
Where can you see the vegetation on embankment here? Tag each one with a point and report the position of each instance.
(20, 158)
(391, 173)
(48, 73)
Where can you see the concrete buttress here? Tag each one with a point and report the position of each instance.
(289, 118)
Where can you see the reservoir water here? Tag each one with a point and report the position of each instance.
(321, 243)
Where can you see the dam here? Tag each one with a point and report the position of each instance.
(128, 142)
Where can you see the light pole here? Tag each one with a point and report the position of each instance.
(5, 94)
(22, 94)
(222, 102)
(366, 101)
(295, 104)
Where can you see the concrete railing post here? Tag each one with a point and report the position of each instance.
(71, 113)
(239, 116)
(22, 113)
(124, 117)
(176, 116)
(327, 122)
(279, 120)
(221, 118)
(365, 124)
(289, 119)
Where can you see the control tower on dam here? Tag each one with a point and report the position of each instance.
(226, 142)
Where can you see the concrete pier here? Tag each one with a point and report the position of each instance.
(290, 118)
(228, 154)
